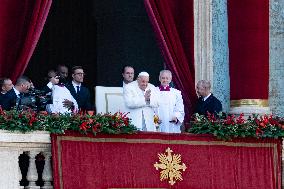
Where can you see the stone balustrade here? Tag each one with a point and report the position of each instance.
(34, 150)
(23, 158)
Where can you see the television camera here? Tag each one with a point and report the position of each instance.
(35, 99)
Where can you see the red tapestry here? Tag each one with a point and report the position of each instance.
(248, 22)
(187, 161)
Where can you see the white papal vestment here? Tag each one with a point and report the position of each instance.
(170, 105)
(59, 94)
(141, 113)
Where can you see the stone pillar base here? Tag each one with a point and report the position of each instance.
(249, 110)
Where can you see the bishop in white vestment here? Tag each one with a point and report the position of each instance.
(171, 108)
(141, 99)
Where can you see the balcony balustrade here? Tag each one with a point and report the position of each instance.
(25, 160)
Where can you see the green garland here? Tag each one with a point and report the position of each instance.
(28, 121)
(225, 128)
(230, 126)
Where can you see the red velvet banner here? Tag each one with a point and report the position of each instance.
(193, 162)
(248, 22)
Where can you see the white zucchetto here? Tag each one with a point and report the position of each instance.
(143, 74)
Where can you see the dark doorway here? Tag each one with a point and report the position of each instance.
(101, 36)
(68, 37)
(125, 37)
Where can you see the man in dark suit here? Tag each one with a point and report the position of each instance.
(206, 101)
(13, 96)
(78, 91)
(5, 85)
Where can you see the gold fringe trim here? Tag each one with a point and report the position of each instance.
(250, 102)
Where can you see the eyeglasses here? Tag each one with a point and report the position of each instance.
(81, 74)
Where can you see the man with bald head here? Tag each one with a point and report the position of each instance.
(206, 101)
(141, 99)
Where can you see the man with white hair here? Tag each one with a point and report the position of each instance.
(171, 108)
(141, 99)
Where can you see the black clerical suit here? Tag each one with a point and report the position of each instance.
(211, 105)
(82, 98)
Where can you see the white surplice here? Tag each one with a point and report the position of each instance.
(141, 113)
(59, 94)
(170, 105)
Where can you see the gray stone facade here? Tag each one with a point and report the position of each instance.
(221, 78)
(276, 57)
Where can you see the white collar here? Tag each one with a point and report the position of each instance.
(205, 98)
(75, 85)
(123, 84)
(16, 91)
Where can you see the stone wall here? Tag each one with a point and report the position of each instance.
(221, 78)
(276, 57)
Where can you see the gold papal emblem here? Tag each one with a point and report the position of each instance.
(170, 166)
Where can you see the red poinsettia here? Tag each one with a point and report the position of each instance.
(231, 126)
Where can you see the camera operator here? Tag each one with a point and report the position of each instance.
(13, 96)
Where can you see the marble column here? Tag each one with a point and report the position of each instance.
(276, 54)
(203, 40)
(211, 52)
(221, 78)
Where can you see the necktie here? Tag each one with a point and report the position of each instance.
(20, 96)
(78, 89)
(18, 100)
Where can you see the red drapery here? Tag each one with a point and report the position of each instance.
(127, 161)
(249, 48)
(21, 23)
(173, 25)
